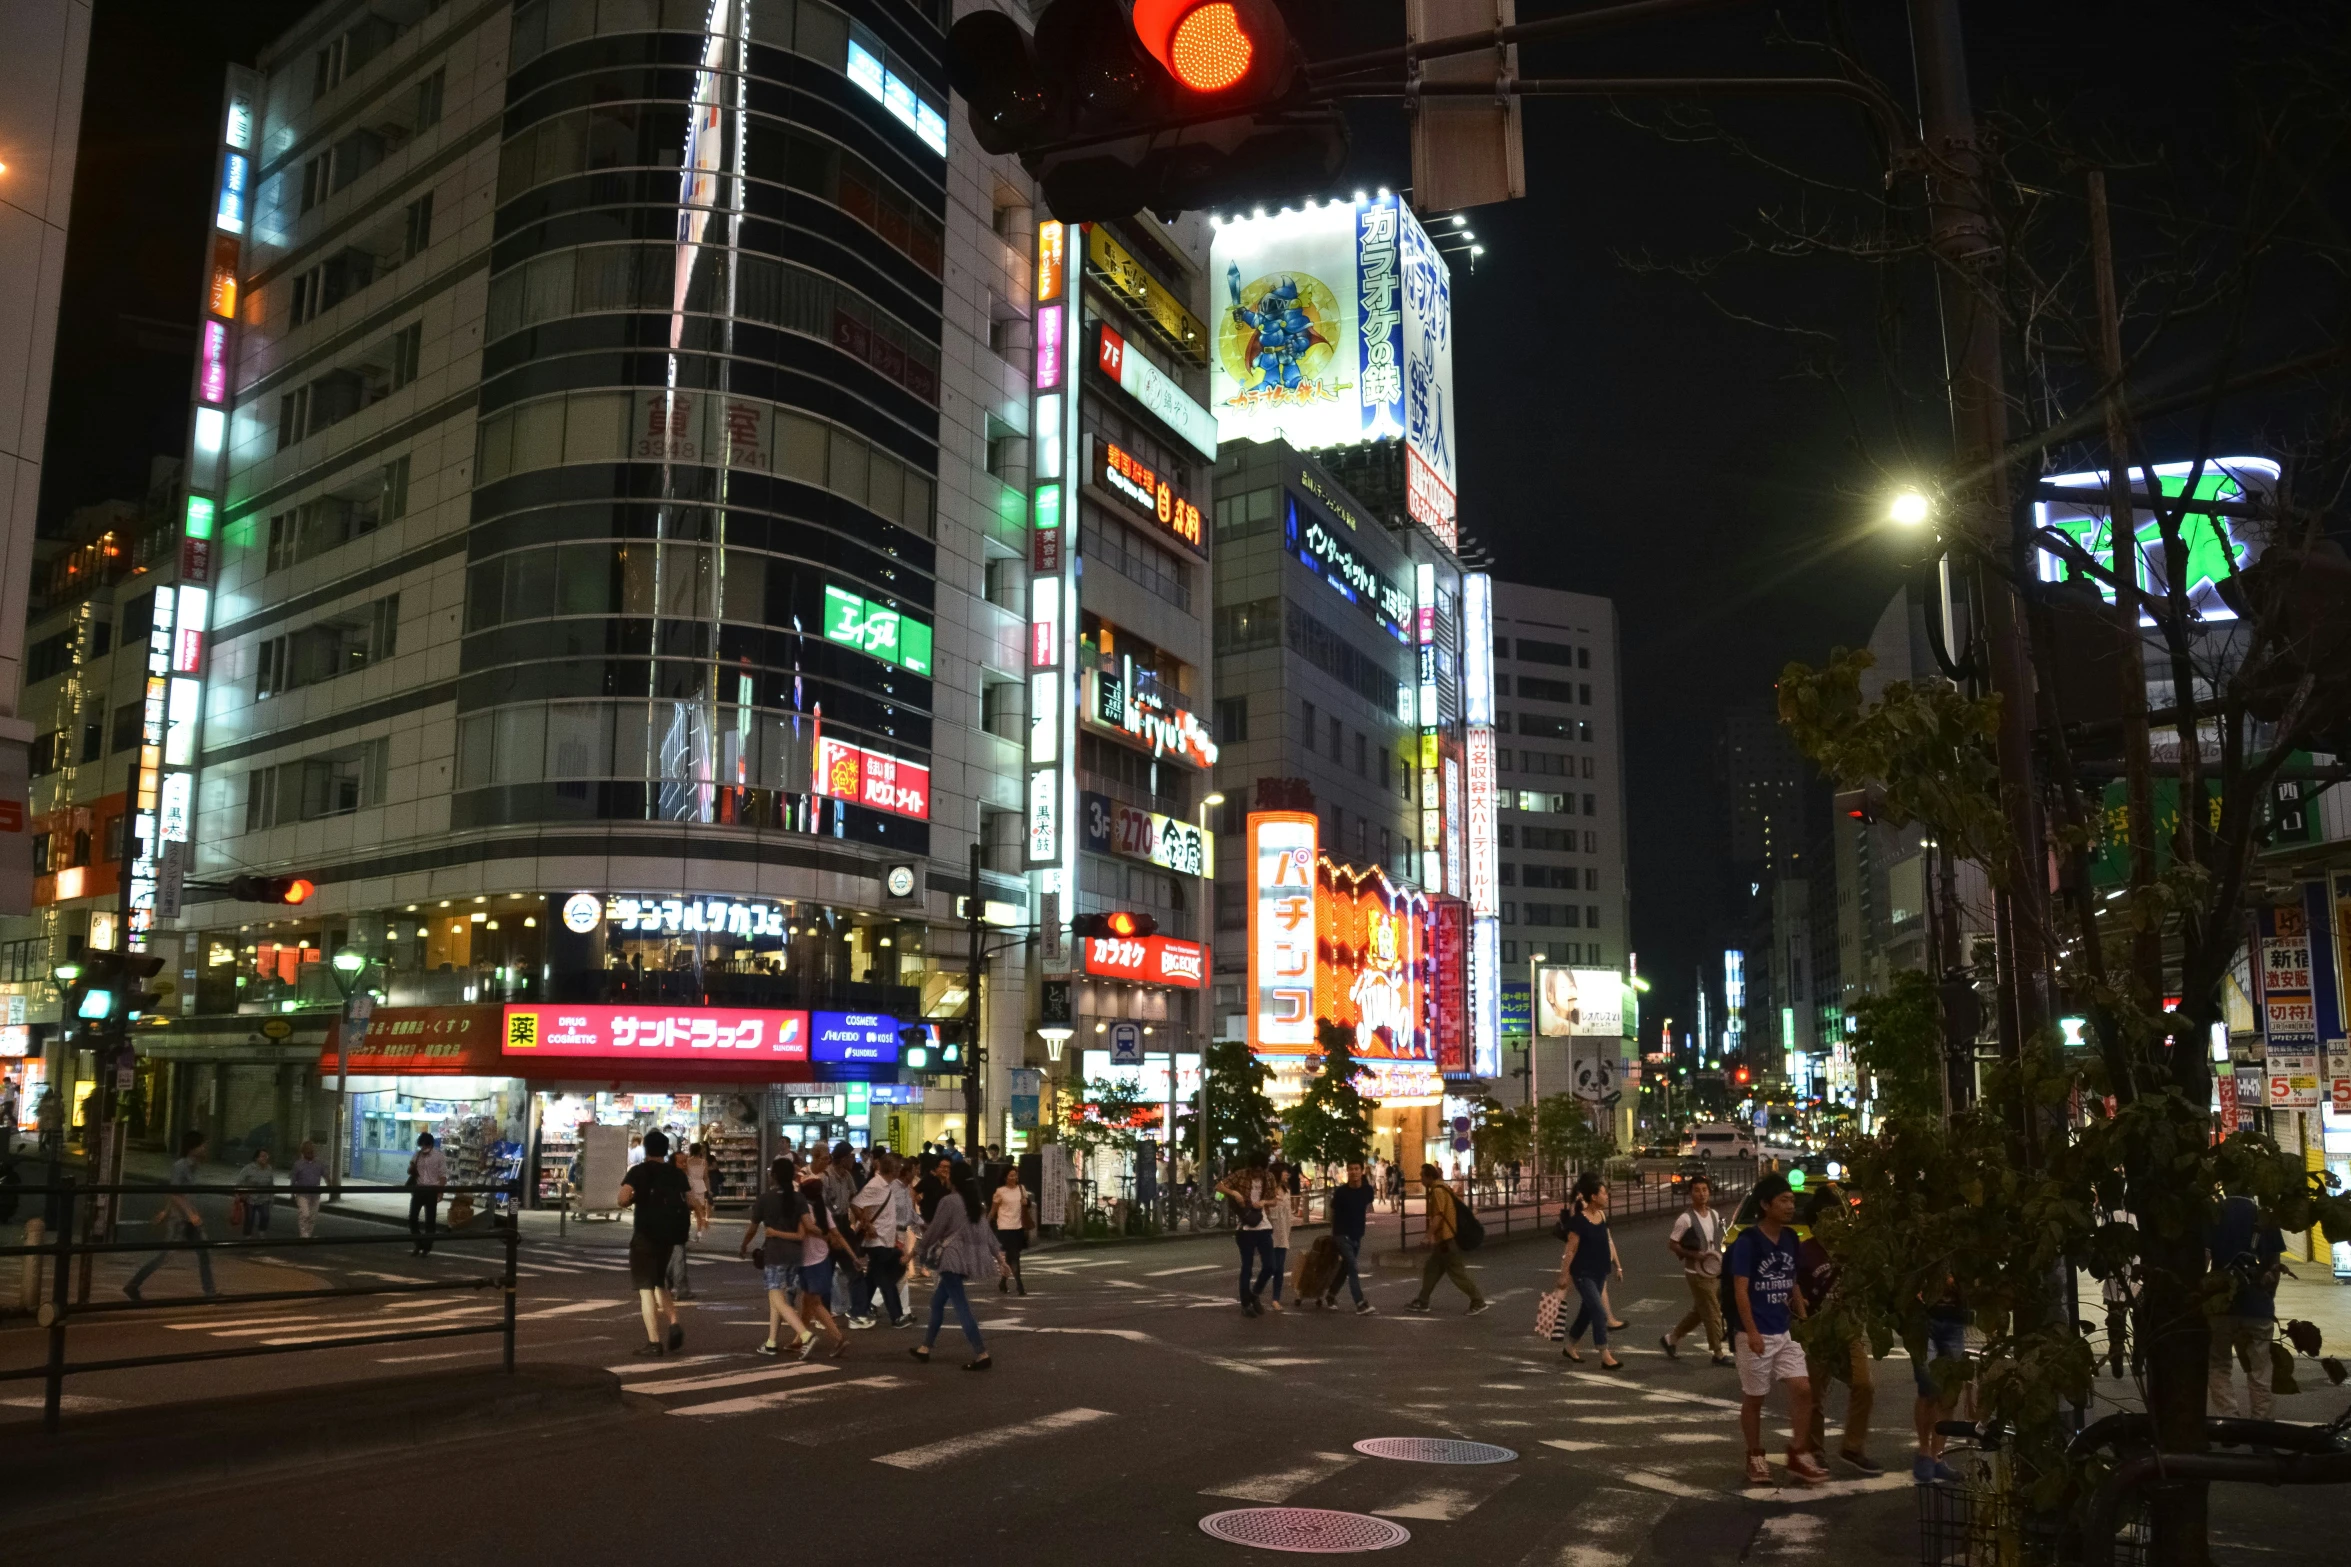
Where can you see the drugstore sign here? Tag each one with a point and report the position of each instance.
(886, 783)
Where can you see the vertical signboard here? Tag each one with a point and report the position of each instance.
(1281, 931)
(1449, 921)
(1051, 796)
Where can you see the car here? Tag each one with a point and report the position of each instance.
(1719, 1140)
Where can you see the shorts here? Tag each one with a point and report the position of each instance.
(780, 1278)
(649, 1261)
(1946, 1340)
(816, 1278)
(1782, 1360)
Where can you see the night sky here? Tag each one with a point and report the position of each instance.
(1620, 434)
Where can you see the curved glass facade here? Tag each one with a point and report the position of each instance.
(709, 418)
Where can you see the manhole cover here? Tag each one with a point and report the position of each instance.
(1434, 1450)
(1314, 1530)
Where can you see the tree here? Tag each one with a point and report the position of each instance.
(1240, 1116)
(1501, 1136)
(1113, 1115)
(1332, 1122)
(1565, 1137)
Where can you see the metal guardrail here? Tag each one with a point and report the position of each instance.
(1534, 1201)
(58, 1312)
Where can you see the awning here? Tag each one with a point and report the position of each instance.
(423, 1042)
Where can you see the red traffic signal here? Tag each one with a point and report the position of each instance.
(1741, 1075)
(1133, 927)
(272, 889)
(1211, 46)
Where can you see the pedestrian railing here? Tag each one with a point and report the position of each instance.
(1532, 1202)
(69, 1288)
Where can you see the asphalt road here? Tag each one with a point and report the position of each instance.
(1129, 1400)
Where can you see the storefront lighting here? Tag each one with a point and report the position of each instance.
(411, 909)
(885, 941)
(481, 900)
(1101, 1028)
(530, 923)
(444, 903)
(478, 916)
(488, 925)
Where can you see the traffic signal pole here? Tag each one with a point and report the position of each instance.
(974, 1051)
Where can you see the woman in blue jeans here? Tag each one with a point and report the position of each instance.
(1585, 1267)
(960, 1248)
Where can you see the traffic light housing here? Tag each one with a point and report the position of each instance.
(931, 1047)
(112, 985)
(272, 889)
(1171, 105)
(1124, 924)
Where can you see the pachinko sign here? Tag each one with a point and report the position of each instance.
(1372, 963)
(1281, 931)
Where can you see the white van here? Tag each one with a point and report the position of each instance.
(1718, 1140)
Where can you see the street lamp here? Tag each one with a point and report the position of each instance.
(1200, 1040)
(1910, 509)
(347, 966)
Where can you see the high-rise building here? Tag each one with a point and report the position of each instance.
(1559, 763)
(40, 128)
(607, 448)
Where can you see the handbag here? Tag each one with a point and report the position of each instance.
(1547, 1309)
(759, 1256)
(237, 1212)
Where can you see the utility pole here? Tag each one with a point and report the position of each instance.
(1962, 238)
(2123, 533)
(975, 926)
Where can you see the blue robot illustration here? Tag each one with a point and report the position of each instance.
(1280, 333)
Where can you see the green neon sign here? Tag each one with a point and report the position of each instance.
(858, 622)
(199, 519)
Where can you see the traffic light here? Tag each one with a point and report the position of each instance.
(1867, 804)
(1169, 104)
(1740, 1077)
(931, 1047)
(112, 985)
(271, 889)
(1131, 927)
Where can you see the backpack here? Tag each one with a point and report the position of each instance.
(1468, 1233)
(1559, 1228)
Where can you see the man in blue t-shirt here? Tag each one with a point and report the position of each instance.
(1762, 1270)
(2251, 1252)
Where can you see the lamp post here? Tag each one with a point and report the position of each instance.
(347, 966)
(1200, 1040)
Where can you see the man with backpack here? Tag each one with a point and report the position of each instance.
(1696, 1238)
(657, 1190)
(1452, 1229)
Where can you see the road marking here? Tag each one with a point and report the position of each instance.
(729, 1379)
(1611, 1528)
(1566, 1446)
(1293, 1361)
(1685, 1438)
(1667, 1484)
(387, 1323)
(566, 1309)
(1660, 1397)
(1445, 1501)
(638, 1368)
(394, 1278)
(1124, 1284)
(932, 1454)
(1197, 1267)
(376, 1331)
(1282, 1484)
(1648, 1420)
(69, 1402)
(447, 1354)
(1788, 1535)
(753, 1402)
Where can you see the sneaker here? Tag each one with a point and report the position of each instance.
(769, 1350)
(1478, 1306)
(1926, 1471)
(1805, 1469)
(1863, 1462)
(677, 1337)
(1420, 1306)
(1673, 1351)
(862, 1323)
(652, 1346)
(808, 1343)
(906, 1321)
(1724, 1360)
(1364, 1308)
(1758, 1469)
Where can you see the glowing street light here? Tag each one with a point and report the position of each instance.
(1910, 509)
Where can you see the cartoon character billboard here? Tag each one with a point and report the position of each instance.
(1335, 327)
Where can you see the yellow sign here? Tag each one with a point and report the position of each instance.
(522, 1030)
(1125, 275)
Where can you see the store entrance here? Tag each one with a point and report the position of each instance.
(725, 1123)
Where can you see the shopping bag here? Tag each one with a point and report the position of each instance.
(237, 1212)
(1547, 1313)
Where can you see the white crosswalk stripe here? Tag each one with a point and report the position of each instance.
(754, 1402)
(1449, 1499)
(1282, 1484)
(932, 1454)
(1198, 1267)
(730, 1379)
(1610, 1528)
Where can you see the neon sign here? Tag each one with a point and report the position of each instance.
(1121, 472)
(2215, 548)
(886, 783)
(1281, 931)
(1149, 960)
(888, 635)
(1145, 709)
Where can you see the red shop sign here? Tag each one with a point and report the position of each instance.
(1152, 960)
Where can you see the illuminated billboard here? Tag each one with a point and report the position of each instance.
(2216, 545)
(1374, 972)
(1579, 1001)
(1281, 931)
(1334, 328)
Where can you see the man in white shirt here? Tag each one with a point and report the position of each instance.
(428, 1172)
(882, 1211)
(1696, 1238)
